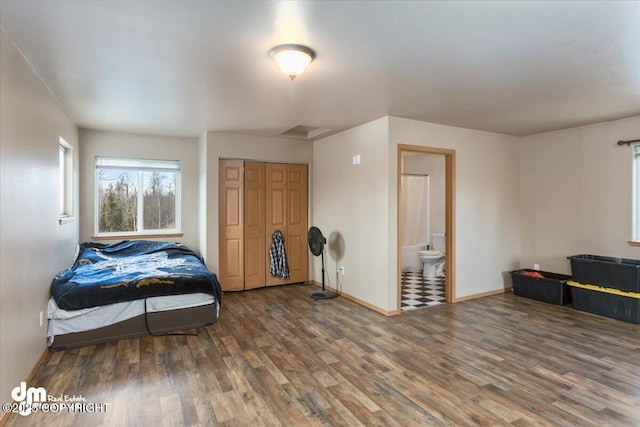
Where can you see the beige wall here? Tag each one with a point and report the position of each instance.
(230, 145)
(353, 200)
(115, 144)
(360, 202)
(33, 245)
(487, 207)
(576, 194)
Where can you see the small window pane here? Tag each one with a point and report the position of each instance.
(159, 200)
(117, 201)
(62, 173)
(636, 194)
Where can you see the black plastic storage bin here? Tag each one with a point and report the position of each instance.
(606, 302)
(552, 289)
(608, 272)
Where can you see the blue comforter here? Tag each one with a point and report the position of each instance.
(132, 269)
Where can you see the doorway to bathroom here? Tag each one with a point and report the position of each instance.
(425, 227)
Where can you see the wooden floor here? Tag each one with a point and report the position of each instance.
(277, 357)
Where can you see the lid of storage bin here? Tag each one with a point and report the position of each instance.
(624, 262)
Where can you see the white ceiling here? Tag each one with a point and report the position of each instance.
(183, 67)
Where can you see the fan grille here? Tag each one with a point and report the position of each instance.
(316, 241)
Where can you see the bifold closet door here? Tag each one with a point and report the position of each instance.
(254, 225)
(286, 210)
(297, 209)
(231, 224)
(276, 213)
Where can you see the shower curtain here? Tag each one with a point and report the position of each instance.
(411, 202)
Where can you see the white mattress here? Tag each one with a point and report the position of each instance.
(65, 322)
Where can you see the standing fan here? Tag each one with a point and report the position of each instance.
(316, 245)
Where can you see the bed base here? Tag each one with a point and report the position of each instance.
(160, 322)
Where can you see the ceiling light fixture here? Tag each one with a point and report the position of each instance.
(292, 58)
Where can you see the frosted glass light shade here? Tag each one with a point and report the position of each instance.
(292, 58)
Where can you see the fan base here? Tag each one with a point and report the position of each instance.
(323, 294)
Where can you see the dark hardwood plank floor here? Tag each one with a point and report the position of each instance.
(277, 357)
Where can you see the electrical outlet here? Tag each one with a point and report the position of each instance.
(536, 266)
(341, 271)
(41, 318)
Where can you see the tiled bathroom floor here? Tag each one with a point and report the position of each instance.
(418, 292)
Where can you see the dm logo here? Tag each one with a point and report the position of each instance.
(26, 397)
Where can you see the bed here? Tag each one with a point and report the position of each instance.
(130, 289)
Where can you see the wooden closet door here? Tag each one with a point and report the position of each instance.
(297, 210)
(230, 227)
(254, 225)
(287, 211)
(276, 213)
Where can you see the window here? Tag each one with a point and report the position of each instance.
(137, 196)
(65, 180)
(636, 193)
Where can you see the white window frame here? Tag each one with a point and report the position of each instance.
(139, 165)
(65, 181)
(636, 193)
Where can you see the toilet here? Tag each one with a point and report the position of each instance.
(433, 260)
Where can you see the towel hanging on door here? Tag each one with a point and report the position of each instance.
(279, 266)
